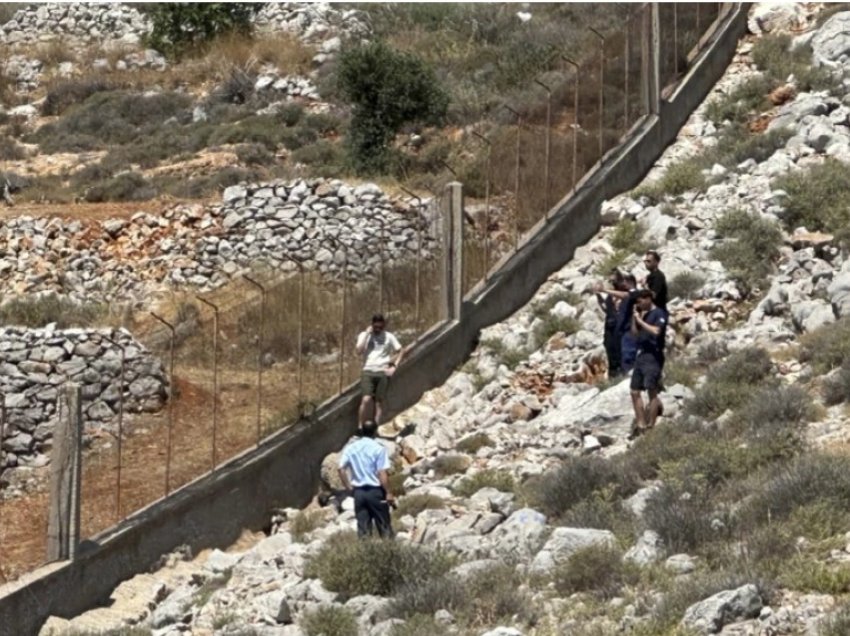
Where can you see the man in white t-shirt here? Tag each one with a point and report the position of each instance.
(382, 353)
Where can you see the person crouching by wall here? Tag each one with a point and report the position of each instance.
(363, 469)
(382, 353)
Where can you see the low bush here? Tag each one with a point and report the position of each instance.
(39, 311)
(128, 186)
(597, 569)
(417, 625)
(416, 503)
(10, 150)
(748, 97)
(750, 247)
(679, 371)
(254, 154)
(450, 464)
(677, 179)
(474, 443)
(808, 479)
(488, 478)
(551, 325)
(629, 236)
(818, 198)
(807, 574)
(683, 514)
(352, 567)
(837, 624)
(604, 512)
(483, 598)
(828, 347)
(579, 479)
(511, 358)
(772, 420)
(305, 522)
(329, 620)
(730, 384)
(774, 54)
(66, 93)
(836, 388)
(685, 285)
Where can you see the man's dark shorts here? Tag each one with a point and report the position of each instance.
(374, 383)
(646, 375)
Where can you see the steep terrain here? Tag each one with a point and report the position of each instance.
(526, 510)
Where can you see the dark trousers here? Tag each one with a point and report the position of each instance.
(370, 507)
(612, 351)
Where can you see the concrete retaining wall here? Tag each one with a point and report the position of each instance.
(283, 471)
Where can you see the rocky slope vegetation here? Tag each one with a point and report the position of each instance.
(525, 509)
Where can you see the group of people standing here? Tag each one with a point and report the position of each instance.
(635, 329)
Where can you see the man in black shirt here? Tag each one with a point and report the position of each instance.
(609, 305)
(656, 281)
(648, 328)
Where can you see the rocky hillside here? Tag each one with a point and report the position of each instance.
(525, 509)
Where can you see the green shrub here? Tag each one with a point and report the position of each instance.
(450, 464)
(808, 479)
(682, 514)
(352, 567)
(773, 420)
(806, 574)
(322, 154)
(818, 198)
(685, 285)
(836, 389)
(737, 144)
(387, 89)
(511, 358)
(178, 27)
(67, 93)
(473, 443)
(773, 54)
(604, 512)
(10, 150)
(551, 325)
(39, 311)
(750, 248)
(128, 186)
(330, 620)
(729, 384)
(678, 371)
(254, 154)
(598, 569)
(828, 347)
(629, 236)
(580, 478)
(837, 624)
(488, 478)
(748, 97)
(417, 625)
(416, 503)
(305, 522)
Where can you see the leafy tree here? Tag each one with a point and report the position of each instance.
(180, 26)
(388, 89)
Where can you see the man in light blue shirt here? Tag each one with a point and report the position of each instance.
(363, 468)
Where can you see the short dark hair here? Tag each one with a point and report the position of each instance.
(645, 293)
(378, 318)
(654, 255)
(629, 279)
(369, 428)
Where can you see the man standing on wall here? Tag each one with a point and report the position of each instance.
(363, 468)
(382, 353)
(648, 328)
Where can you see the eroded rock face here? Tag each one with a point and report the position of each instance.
(831, 43)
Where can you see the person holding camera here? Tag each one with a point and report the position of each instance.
(649, 324)
(363, 470)
(382, 353)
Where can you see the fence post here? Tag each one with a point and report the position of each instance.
(547, 147)
(260, 333)
(453, 251)
(214, 451)
(119, 440)
(63, 525)
(652, 60)
(172, 386)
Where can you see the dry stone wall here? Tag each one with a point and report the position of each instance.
(313, 221)
(35, 363)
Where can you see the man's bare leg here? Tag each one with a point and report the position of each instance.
(363, 413)
(640, 414)
(654, 407)
(378, 411)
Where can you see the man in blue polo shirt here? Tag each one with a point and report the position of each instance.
(363, 468)
(649, 324)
